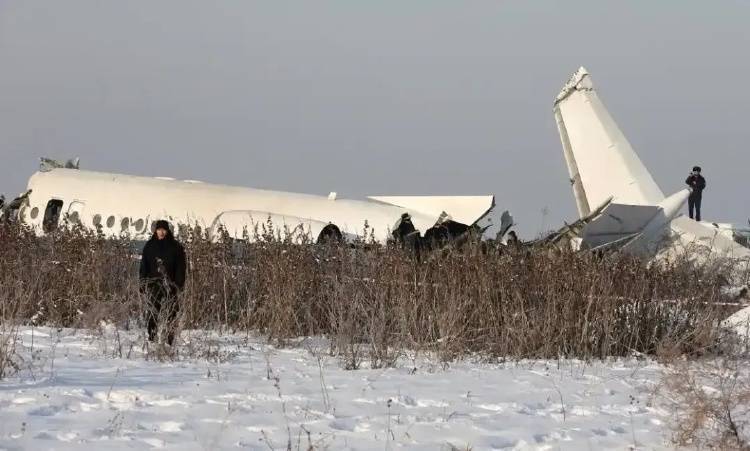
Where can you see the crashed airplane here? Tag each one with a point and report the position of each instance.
(619, 203)
(126, 205)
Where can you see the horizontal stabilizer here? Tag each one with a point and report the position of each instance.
(463, 209)
(646, 224)
(617, 221)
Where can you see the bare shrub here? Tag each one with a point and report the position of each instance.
(8, 357)
(711, 401)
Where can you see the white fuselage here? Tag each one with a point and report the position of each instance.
(128, 205)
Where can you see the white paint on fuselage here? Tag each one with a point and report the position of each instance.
(129, 204)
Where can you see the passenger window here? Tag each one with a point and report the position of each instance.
(52, 215)
(139, 225)
(124, 224)
(34, 212)
(111, 222)
(97, 220)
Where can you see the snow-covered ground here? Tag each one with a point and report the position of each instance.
(73, 394)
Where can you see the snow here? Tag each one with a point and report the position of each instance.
(234, 391)
(739, 322)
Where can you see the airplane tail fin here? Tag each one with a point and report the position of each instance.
(601, 161)
(605, 171)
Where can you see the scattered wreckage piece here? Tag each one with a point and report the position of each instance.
(569, 236)
(740, 235)
(48, 164)
(506, 222)
(10, 211)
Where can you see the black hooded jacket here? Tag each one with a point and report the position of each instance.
(163, 260)
(697, 183)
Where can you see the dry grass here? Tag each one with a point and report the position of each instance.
(376, 301)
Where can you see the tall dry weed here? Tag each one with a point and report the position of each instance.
(374, 301)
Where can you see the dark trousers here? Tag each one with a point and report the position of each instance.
(161, 304)
(694, 204)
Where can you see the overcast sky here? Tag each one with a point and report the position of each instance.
(365, 98)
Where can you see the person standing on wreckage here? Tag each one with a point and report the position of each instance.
(162, 276)
(697, 184)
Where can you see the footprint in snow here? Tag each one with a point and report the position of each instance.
(343, 424)
(349, 425)
(67, 436)
(166, 403)
(45, 436)
(497, 443)
(407, 401)
(492, 407)
(45, 411)
(166, 426)
(155, 442)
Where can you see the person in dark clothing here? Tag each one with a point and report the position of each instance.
(697, 184)
(512, 239)
(405, 231)
(407, 235)
(162, 275)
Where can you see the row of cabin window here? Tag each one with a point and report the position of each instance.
(54, 208)
(124, 223)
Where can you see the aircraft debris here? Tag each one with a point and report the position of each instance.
(48, 164)
(634, 214)
(9, 211)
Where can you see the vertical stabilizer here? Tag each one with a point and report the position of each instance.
(600, 160)
(575, 177)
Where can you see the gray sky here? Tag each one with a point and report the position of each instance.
(387, 97)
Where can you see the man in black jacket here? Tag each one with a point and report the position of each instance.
(697, 184)
(162, 274)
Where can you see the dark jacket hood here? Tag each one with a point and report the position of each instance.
(162, 224)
